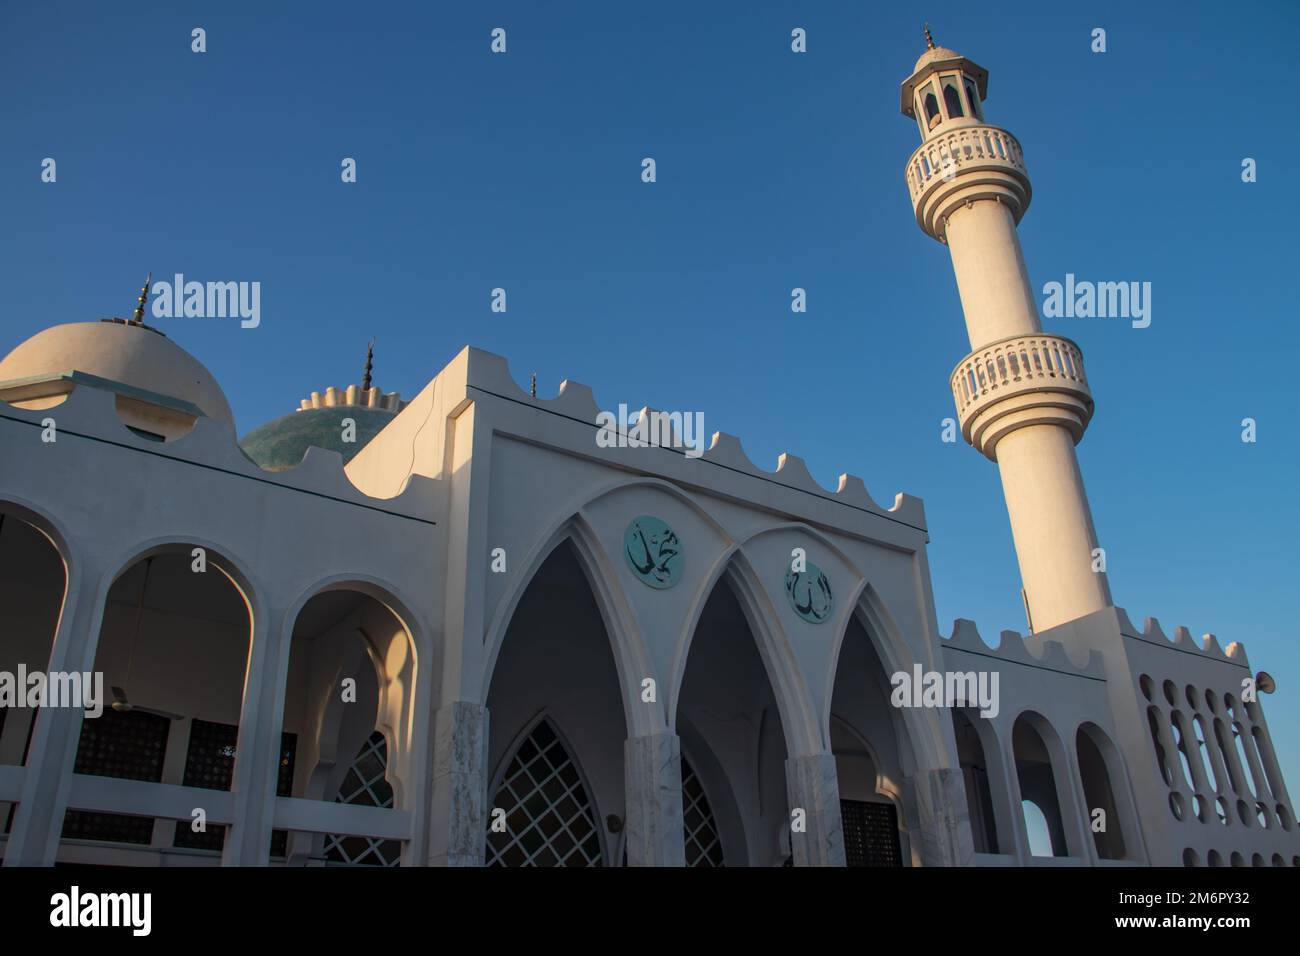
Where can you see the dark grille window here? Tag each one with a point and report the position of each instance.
(129, 745)
(870, 833)
(210, 765)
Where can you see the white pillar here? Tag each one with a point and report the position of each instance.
(1051, 525)
(257, 760)
(47, 780)
(652, 766)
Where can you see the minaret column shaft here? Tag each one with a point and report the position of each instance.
(996, 296)
(1051, 525)
(1051, 522)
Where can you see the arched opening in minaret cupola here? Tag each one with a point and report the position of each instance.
(952, 95)
(930, 106)
(973, 98)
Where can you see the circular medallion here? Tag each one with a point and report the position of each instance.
(653, 552)
(810, 593)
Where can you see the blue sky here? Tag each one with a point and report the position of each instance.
(774, 171)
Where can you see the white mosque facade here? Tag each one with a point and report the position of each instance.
(476, 634)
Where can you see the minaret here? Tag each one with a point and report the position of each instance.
(1022, 397)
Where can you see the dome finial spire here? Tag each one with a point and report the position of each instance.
(929, 40)
(370, 364)
(144, 297)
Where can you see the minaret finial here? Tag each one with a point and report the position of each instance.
(929, 40)
(370, 364)
(144, 297)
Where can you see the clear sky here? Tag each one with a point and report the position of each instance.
(775, 170)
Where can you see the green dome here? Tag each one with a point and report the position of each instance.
(281, 444)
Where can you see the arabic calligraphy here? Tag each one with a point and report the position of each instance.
(653, 551)
(810, 593)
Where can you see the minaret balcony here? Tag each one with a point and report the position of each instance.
(961, 166)
(1018, 381)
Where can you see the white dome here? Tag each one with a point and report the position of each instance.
(130, 354)
(935, 53)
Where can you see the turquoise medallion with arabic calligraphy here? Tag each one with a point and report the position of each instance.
(810, 595)
(653, 552)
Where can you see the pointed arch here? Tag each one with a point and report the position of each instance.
(631, 658)
(925, 731)
(733, 561)
(772, 642)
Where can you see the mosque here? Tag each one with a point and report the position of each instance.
(456, 629)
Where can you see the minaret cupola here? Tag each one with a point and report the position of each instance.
(945, 91)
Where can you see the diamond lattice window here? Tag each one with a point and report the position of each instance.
(703, 845)
(364, 785)
(549, 817)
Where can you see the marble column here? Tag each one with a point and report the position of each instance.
(459, 813)
(814, 788)
(943, 828)
(652, 780)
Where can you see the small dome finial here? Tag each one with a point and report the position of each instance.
(929, 40)
(370, 364)
(144, 297)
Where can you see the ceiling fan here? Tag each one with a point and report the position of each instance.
(120, 703)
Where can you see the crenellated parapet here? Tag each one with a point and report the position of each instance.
(1031, 651)
(1207, 646)
(353, 395)
(491, 373)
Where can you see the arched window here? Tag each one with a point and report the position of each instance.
(365, 785)
(974, 771)
(1037, 777)
(549, 816)
(1098, 791)
(1040, 838)
(952, 98)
